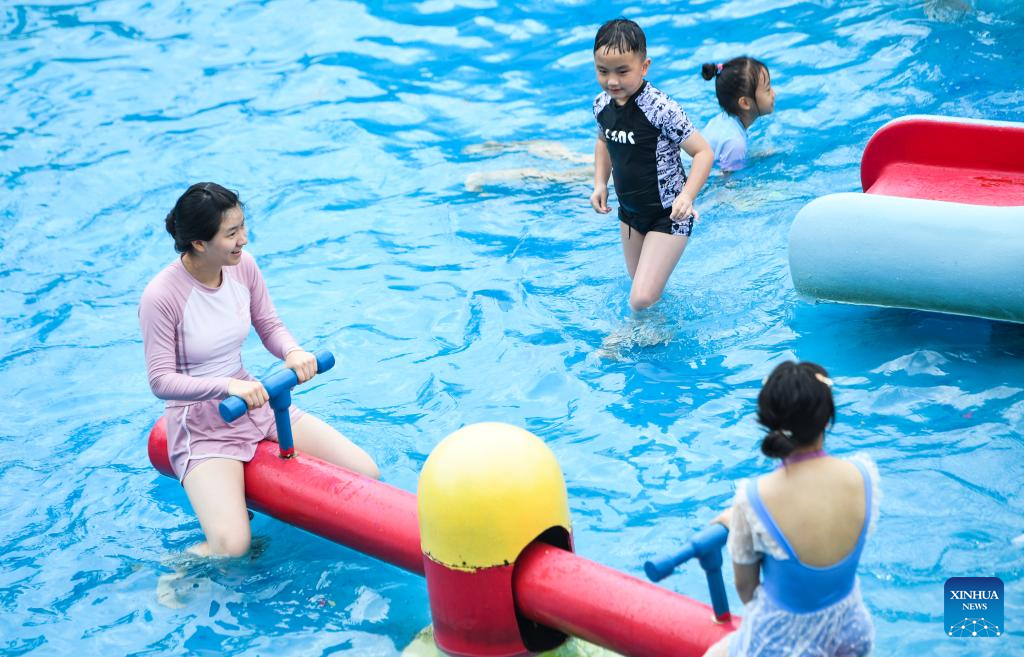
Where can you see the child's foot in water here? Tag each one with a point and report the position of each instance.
(615, 344)
(643, 330)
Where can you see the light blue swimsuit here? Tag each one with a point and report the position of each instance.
(802, 610)
(728, 139)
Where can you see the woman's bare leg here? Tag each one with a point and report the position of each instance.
(720, 648)
(317, 438)
(660, 254)
(216, 489)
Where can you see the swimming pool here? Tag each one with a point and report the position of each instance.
(351, 129)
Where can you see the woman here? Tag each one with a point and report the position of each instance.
(796, 535)
(195, 315)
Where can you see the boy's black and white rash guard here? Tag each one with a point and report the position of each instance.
(643, 138)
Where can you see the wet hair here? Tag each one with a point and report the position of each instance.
(621, 35)
(198, 213)
(795, 405)
(736, 78)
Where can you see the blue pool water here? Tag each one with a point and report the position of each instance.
(350, 129)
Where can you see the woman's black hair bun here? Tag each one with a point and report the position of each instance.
(169, 222)
(708, 71)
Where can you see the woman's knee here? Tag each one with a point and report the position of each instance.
(352, 457)
(367, 467)
(229, 543)
(322, 440)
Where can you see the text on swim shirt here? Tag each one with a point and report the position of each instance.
(619, 136)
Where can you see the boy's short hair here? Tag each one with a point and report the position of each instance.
(622, 35)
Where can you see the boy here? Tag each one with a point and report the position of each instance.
(641, 132)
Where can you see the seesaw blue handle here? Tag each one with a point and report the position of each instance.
(706, 542)
(279, 382)
(706, 545)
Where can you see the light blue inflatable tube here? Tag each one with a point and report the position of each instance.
(910, 253)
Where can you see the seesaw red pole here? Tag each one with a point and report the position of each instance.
(366, 515)
(552, 586)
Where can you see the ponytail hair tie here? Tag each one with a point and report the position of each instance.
(718, 68)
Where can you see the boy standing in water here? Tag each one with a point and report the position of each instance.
(640, 133)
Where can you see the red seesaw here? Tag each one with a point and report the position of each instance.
(495, 549)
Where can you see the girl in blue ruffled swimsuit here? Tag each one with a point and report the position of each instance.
(796, 535)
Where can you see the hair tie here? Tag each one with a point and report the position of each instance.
(718, 68)
(824, 379)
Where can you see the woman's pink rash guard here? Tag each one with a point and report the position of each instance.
(192, 335)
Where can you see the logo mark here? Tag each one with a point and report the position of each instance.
(619, 136)
(974, 607)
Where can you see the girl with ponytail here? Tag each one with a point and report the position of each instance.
(744, 89)
(796, 534)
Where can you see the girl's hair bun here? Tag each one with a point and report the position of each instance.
(708, 70)
(778, 444)
(795, 405)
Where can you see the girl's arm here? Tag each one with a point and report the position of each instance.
(703, 158)
(747, 578)
(746, 561)
(602, 169)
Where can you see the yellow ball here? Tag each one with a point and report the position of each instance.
(485, 493)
